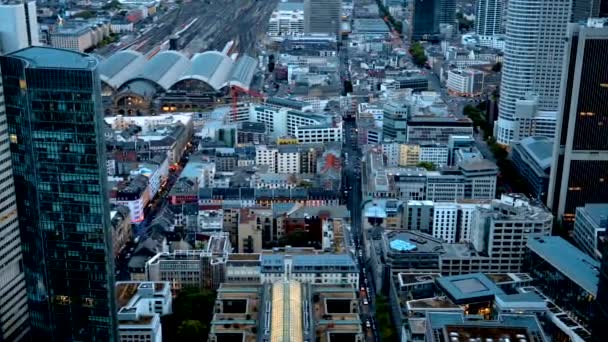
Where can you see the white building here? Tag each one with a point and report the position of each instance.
(465, 82)
(532, 61)
(265, 155)
(140, 305)
(452, 221)
(288, 159)
(319, 133)
(77, 38)
(287, 19)
(18, 27)
(434, 153)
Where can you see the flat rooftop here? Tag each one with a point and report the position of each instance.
(469, 287)
(416, 278)
(432, 303)
(46, 57)
(569, 260)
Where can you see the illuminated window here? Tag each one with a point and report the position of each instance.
(13, 138)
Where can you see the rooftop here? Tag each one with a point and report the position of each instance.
(597, 213)
(540, 149)
(432, 303)
(467, 287)
(569, 260)
(46, 57)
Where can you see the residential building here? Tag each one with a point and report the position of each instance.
(251, 225)
(590, 226)
(322, 16)
(425, 19)
(564, 274)
(452, 222)
(134, 194)
(465, 82)
(266, 155)
(121, 228)
(14, 314)
(19, 25)
(409, 154)
(580, 155)
(531, 67)
(140, 306)
(532, 158)
(488, 18)
(287, 19)
(418, 216)
(61, 190)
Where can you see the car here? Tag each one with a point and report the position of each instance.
(368, 324)
(365, 302)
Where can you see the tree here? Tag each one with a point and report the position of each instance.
(427, 165)
(191, 330)
(191, 304)
(418, 55)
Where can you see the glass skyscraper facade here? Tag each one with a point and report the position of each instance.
(55, 129)
(579, 173)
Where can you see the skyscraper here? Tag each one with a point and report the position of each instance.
(425, 19)
(55, 128)
(531, 76)
(19, 26)
(322, 16)
(579, 173)
(13, 296)
(488, 17)
(600, 314)
(447, 11)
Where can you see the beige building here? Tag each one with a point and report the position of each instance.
(409, 154)
(252, 222)
(121, 228)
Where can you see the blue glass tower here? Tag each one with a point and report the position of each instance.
(55, 128)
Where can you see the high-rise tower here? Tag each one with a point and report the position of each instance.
(531, 75)
(55, 129)
(322, 16)
(579, 173)
(488, 17)
(19, 25)
(14, 322)
(425, 19)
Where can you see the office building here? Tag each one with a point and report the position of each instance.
(447, 12)
(287, 19)
(425, 19)
(563, 273)
(322, 16)
(436, 128)
(532, 66)
(394, 125)
(19, 25)
(13, 295)
(488, 17)
(590, 224)
(286, 311)
(465, 82)
(600, 312)
(140, 306)
(55, 127)
(580, 153)
(532, 158)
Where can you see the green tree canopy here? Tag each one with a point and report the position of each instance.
(427, 165)
(191, 330)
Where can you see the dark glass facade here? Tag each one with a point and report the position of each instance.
(580, 167)
(425, 22)
(55, 126)
(600, 312)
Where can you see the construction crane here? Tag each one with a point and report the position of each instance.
(234, 94)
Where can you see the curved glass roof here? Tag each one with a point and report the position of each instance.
(120, 67)
(165, 68)
(243, 72)
(402, 245)
(212, 67)
(286, 324)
